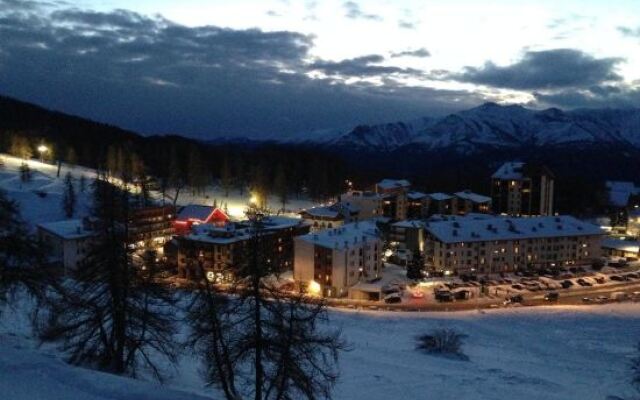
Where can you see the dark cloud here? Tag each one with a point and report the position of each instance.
(354, 11)
(616, 96)
(560, 68)
(364, 66)
(152, 75)
(630, 32)
(421, 53)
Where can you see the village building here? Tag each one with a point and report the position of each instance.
(328, 217)
(482, 245)
(329, 262)
(368, 204)
(150, 227)
(468, 202)
(195, 214)
(66, 242)
(614, 247)
(623, 206)
(522, 189)
(441, 203)
(215, 252)
(417, 205)
(394, 197)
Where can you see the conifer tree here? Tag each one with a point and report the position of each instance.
(20, 254)
(262, 344)
(68, 196)
(110, 315)
(25, 172)
(226, 177)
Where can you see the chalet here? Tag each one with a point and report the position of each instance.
(469, 202)
(328, 217)
(195, 214)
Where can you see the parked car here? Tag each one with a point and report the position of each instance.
(601, 299)
(600, 279)
(551, 296)
(566, 284)
(586, 300)
(443, 295)
(514, 299)
(462, 294)
(633, 275)
(517, 286)
(616, 278)
(417, 294)
(620, 296)
(582, 282)
(393, 298)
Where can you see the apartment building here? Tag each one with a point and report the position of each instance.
(66, 242)
(368, 204)
(332, 216)
(468, 202)
(394, 197)
(521, 189)
(331, 261)
(470, 245)
(218, 250)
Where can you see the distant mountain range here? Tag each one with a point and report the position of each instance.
(489, 126)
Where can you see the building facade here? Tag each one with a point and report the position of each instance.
(66, 242)
(521, 189)
(470, 245)
(468, 202)
(216, 252)
(328, 263)
(394, 197)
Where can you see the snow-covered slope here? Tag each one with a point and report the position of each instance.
(489, 125)
(515, 126)
(554, 353)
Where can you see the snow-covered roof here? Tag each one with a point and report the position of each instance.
(409, 223)
(322, 211)
(464, 229)
(623, 245)
(233, 232)
(440, 196)
(195, 212)
(620, 191)
(509, 170)
(474, 197)
(67, 229)
(413, 195)
(387, 184)
(343, 236)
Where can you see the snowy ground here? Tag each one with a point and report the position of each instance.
(36, 209)
(528, 354)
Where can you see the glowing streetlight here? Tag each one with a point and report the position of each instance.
(42, 149)
(314, 288)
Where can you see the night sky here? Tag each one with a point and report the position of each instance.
(275, 68)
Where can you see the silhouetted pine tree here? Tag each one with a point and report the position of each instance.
(68, 196)
(261, 344)
(20, 254)
(111, 315)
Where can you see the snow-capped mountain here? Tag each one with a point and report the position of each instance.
(489, 126)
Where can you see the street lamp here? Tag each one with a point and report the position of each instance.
(42, 149)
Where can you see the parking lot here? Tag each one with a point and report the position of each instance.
(570, 286)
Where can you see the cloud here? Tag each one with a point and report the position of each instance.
(548, 69)
(420, 53)
(617, 96)
(354, 11)
(406, 24)
(364, 66)
(629, 32)
(155, 76)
